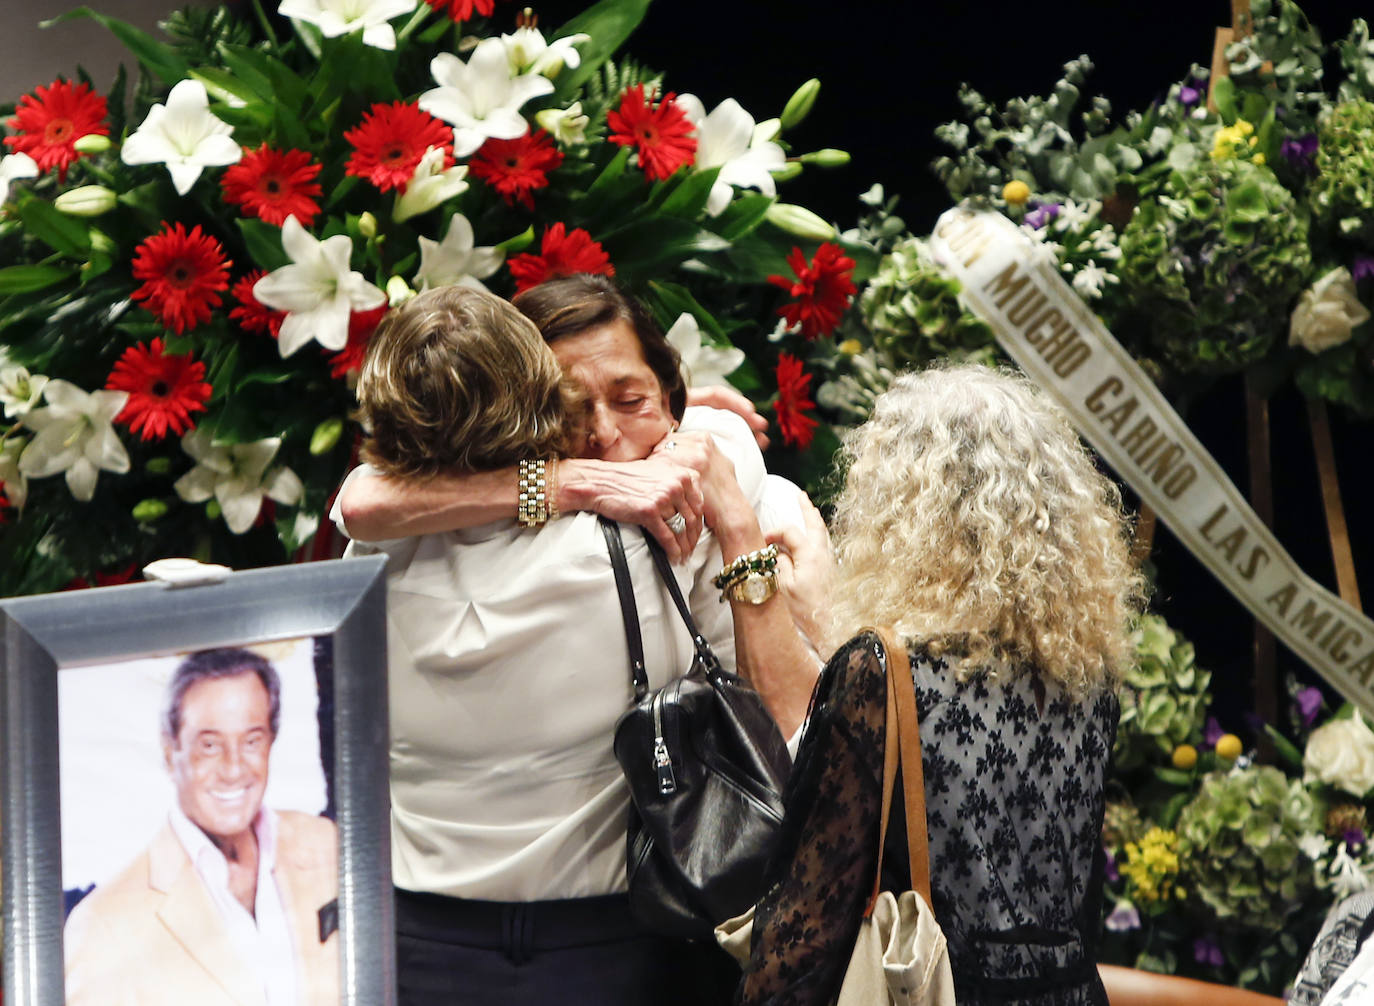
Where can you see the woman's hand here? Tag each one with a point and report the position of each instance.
(718, 396)
(648, 493)
(806, 565)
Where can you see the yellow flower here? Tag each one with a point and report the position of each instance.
(1151, 865)
(1016, 192)
(1258, 158)
(1229, 747)
(851, 347)
(1243, 128)
(1185, 757)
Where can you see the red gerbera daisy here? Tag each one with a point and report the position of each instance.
(515, 168)
(164, 389)
(361, 325)
(662, 136)
(821, 292)
(273, 185)
(4, 503)
(182, 275)
(391, 139)
(252, 315)
(52, 119)
(461, 10)
(793, 384)
(560, 254)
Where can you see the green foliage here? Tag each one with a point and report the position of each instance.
(1240, 846)
(1164, 699)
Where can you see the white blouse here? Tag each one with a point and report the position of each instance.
(508, 670)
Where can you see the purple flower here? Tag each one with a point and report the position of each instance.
(1111, 872)
(1190, 92)
(1124, 917)
(1206, 951)
(1041, 214)
(1309, 700)
(1363, 268)
(1354, 838)
(1212, 733)
(1300, 152)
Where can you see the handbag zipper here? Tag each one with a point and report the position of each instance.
(663, 762)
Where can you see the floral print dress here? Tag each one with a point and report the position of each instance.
(1014, 775)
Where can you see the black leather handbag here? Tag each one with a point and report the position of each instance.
(706, 766)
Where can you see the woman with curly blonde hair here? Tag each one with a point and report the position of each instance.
(975, 523)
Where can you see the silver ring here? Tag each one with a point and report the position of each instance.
(677, 523)
(671, 445)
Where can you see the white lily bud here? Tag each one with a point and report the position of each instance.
(826, 158)
(92, 143)
(799, 105)
(86, 201)
(800, 221)
(398, 291)
(568, 126)
(787, 172)
(367, 225)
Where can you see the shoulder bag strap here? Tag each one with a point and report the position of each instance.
(902, 723)
(913, 773)
(629, 611)
(665, 573)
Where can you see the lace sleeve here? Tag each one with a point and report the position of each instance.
(821, 876)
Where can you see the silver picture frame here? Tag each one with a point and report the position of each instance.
(341, 602)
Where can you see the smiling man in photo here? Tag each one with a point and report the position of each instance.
(232, 902)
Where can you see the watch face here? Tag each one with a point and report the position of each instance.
(756, 588)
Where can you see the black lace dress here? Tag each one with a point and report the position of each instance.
(1014, 773)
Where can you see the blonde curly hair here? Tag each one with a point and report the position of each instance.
(974, 521)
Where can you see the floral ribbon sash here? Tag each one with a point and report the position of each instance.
(1058, 341)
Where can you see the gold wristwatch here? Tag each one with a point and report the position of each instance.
(754, 587)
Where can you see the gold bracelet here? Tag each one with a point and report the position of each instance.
(532, 506)
(552, 495)
(752, 588)
(759, 561)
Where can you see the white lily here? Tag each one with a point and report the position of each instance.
(455, 260)
(481, 99)
(343, 17)
(317, 291)
(705, 364)
(727, 139)
(527, 50)
(19, 390)
(568, 126)
(430, 185)
(183, 134)
(236, 476)
(14, 167)
(75, 434)
(14, 482)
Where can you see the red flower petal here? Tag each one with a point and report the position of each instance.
(796, 426)
(252, 315)
(48, 123)
(164, 389)
(515, 168)
(361, 325)
(461, 10)
(391, 140)
(560, 255)
(273, 185)
(821, 291)
(661, 136)
(182, 275)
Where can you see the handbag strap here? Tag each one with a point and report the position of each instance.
(665, 573)
(904, 724)
(629, 611)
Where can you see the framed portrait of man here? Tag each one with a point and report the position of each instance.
(194, 792)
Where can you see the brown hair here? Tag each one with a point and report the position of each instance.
(570, 305)
(458, 380)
